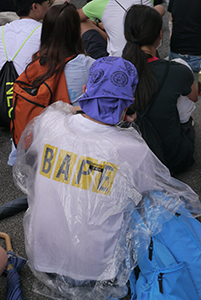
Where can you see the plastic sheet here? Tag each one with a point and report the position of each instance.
(88, 187)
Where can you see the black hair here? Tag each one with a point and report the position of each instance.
(142, 27)
(23, 7)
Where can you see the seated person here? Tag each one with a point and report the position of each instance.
(143, 37)
(111, 14)
(54, 44)
(15, 34)
(185, 40)
(94, 38)
(84, 178)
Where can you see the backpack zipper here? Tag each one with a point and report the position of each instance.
(151, 249)
(160, 282)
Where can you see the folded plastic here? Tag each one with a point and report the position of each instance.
(85, 228)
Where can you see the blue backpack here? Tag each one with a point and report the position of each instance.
(171, 268)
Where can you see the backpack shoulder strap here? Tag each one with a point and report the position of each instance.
(68, 58)
(4, 46)
(25, 41)
(20, 46)
(158, 91)
(121, 5)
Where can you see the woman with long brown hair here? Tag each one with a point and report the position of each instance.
(60, 38)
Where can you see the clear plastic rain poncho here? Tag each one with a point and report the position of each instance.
(96, 194)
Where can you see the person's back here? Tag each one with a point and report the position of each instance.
(177, 144)
(186, 31)
(86, 181)
(16, 32)
(157, 94)
(86, 252)
(51, 56)
(112, 14)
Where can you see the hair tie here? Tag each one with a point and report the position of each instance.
(135, 42)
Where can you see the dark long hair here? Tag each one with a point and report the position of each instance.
(60, 38)
(142, 27)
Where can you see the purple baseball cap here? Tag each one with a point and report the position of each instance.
(110, 89)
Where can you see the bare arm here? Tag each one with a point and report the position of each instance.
(170, 17)
(83, 17)
(193, 96)
(88, 24)
(160, 9)
(3, 259)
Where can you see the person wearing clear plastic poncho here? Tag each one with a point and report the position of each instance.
(90, 185)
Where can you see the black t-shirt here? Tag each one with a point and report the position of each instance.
(164, 114)
(186, 32)
(6, 5)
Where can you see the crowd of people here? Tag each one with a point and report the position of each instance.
(83, 163)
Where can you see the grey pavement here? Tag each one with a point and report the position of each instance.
(14, 225)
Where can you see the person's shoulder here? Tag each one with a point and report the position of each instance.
(32, 28)
(87, 60)
(82, 59)
(95, 2)
(94, 6)
(129, 135)
(181, 68)
(29, 23)
(23, 25)
(173, 65)
(177, 71)
(159, 64)
(130, 145)
(56, 113)
(10, 25)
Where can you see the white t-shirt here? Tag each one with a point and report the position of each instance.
(81, 179)
(15, 33)
(112, 15)
(87, 209)
(77, 73)
(86, 223)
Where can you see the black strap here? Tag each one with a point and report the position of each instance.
(121, 5)
(158, 91)
(80, 112)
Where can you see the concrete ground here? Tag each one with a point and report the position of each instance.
(13, 225)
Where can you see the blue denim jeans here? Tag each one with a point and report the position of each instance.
(193, 60)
